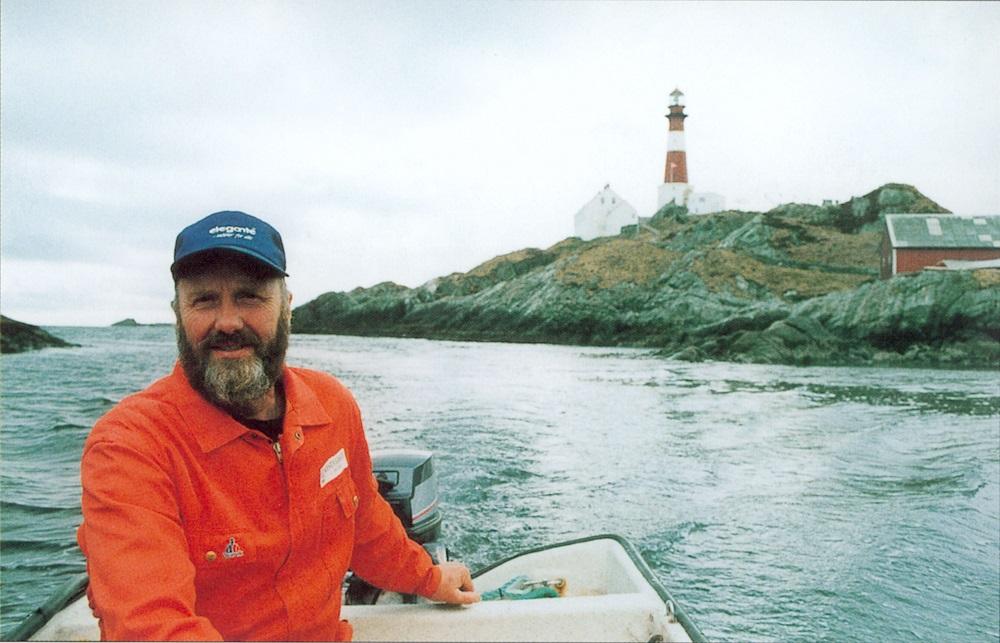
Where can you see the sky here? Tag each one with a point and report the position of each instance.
(402, 141)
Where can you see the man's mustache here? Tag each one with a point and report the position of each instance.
(230, 341)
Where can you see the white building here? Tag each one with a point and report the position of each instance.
(706, 203)
(604, 215)
(696, 202)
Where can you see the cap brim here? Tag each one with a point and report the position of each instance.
(219, 255)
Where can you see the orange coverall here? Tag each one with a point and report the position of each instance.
(197, 528)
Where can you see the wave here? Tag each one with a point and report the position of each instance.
(40, 546)
(32, 509)
(69, 426)
(952, 402)
(934, 485)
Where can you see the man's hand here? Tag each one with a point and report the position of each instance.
(456, 585)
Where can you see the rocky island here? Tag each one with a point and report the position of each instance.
(130, 322)
(796, 285)
(18, 337)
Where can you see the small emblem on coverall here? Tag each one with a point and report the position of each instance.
(233, 550)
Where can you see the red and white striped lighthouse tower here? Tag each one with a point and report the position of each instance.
(675, 175)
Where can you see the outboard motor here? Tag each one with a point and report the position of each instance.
(407, 480)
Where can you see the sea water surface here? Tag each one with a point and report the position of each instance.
(775, 503)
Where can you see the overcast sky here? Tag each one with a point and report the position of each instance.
(404, 141)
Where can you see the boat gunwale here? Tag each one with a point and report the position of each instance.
(69, 592)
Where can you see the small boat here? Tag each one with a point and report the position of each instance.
(608, 594)
(596, 588)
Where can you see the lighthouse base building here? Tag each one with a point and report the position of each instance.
(676, 193)
(695, 202)
(706, 203)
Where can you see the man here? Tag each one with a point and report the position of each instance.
(228, 499)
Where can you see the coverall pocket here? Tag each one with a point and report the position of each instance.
(339, 508)
(342, 502)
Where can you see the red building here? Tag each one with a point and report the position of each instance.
(912, 242)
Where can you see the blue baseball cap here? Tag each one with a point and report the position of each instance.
(225, 232)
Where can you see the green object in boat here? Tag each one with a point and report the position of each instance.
(521, 588)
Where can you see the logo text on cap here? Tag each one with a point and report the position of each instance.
(233, 231)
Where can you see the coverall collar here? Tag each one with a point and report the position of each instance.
(212, 427)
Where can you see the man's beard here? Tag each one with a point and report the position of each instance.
(234, 384)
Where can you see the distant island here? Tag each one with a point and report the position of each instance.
(795, 285)
(129, 322)
(18, 337)
(126, 322)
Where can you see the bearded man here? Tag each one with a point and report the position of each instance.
(228, 499)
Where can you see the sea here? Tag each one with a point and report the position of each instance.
(775, 503)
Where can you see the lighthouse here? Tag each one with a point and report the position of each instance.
(675, 175)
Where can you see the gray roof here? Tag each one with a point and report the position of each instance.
(943, 230)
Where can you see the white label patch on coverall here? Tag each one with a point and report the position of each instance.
(333, 468)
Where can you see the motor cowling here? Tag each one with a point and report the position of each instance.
(407, 480)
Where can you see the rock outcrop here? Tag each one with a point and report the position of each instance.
(785, 286)
(18, 337)
(932, 318)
